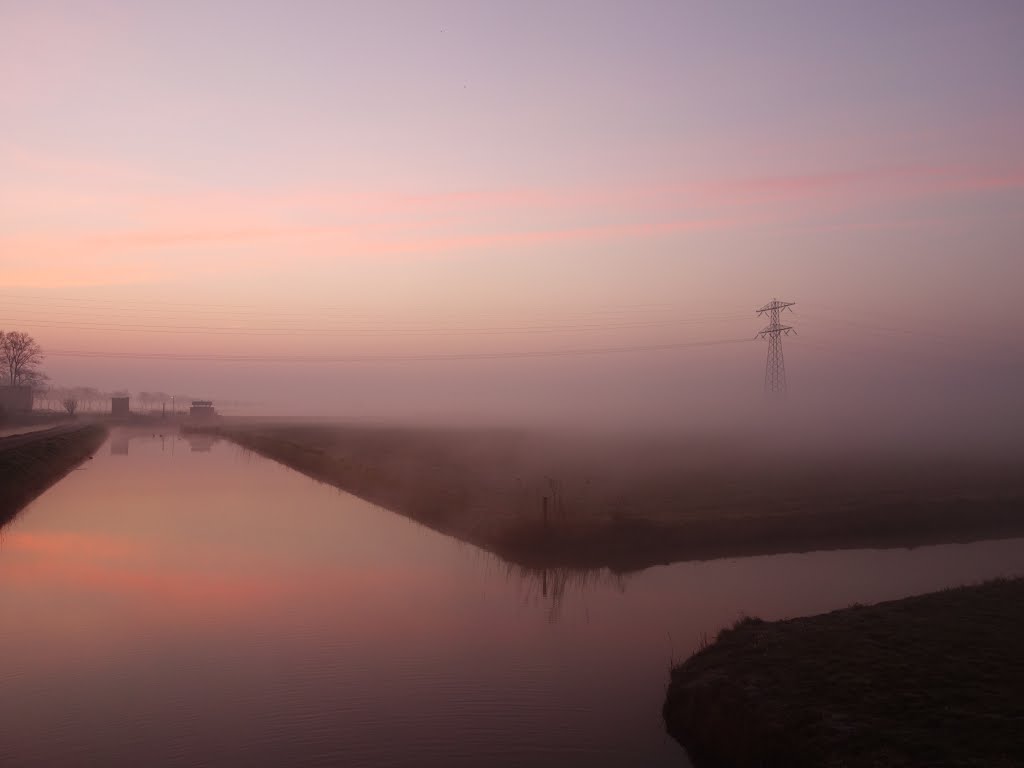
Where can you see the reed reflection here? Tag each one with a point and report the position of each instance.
(121, 439)
(553, 588)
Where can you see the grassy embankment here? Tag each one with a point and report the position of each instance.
(628, 502)
(933, 680)
(29, 467)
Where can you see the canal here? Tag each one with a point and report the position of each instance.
(176, 603)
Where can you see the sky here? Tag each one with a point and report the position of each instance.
(490, 210)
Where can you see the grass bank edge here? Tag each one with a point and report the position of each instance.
(28, 469)
(925, 680)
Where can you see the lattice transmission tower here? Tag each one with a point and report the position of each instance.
(775, 366)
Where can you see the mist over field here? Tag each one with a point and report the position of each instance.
(452, 383)
(471, 234)
(901, 390)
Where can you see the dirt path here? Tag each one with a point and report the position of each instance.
(14, 436)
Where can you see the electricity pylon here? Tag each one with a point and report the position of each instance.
(775, 366)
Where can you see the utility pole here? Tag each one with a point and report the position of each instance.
(775, 366)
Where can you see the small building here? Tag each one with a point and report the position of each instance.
(119, 406)
(16, 399)
(202, 409)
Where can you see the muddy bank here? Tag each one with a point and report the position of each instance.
(31, 463)
(930, 680)
(557, 501)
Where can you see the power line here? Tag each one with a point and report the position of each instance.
(220, 358)
(21, 305)
(839, 347)
(889, 329)
(108, 311)
(117, 327)
(151, 305)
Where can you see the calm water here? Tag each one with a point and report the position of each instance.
(188, 604)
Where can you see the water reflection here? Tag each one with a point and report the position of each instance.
(222, 609)
(552, 587)
(121, 438)
(199, 442)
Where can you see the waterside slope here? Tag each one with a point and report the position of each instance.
(31, 463)
(556, 501)
(930, 680)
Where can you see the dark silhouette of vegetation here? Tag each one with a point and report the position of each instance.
(92, 400)
(20, 358)
(931, 680)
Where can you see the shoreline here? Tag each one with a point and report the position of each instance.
(32, 462)
(544, 504)
(926, 680)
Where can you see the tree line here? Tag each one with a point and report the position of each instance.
(21, 360)
(91, 399)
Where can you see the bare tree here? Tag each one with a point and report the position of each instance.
(70, 405)
(21, 356)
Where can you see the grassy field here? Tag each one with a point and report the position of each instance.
(628, 502)
(925, 681)
(29, 467)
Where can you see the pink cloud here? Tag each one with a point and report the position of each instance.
(216, 232)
